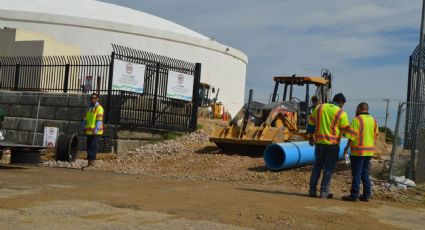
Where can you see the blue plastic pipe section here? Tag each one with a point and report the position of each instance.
(293, 154)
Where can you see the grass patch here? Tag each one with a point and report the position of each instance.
(171, 135)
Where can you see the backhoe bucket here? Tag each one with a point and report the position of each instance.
(253, 141)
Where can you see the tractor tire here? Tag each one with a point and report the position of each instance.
(66, 147)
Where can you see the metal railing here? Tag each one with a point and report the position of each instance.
(85, 74)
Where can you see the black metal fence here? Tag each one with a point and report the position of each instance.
(86, 74)
(411, 116)
(54, 73)
(415, 94)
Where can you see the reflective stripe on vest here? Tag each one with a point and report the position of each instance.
(336, 121)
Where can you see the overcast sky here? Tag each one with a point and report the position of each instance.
(365, 44)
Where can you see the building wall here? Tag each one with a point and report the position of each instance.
(222, 66)
(18, 42)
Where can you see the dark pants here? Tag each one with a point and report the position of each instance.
(326, 157)
(360, 172)
(92, 143)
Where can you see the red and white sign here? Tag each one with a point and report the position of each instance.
(180, 86)
(50, 136)
(128, 76)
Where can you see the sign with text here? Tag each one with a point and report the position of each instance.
(180, 86)
(50, 136)
(128, 76)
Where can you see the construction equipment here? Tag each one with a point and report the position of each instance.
(257, 125)
(209, 107)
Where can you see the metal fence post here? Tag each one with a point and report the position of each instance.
(395, 141)
(66, 79)
(109, 99)
(17, 68)
(155, 97)
(195, 96)
(99, 81)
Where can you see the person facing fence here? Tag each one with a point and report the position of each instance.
(361, 141)
(93, 128)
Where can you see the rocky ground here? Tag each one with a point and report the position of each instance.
(192, 157)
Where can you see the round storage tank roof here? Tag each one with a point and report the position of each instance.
(92, 9)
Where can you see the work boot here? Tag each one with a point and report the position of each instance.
(90, 165)
(364, 198)
(349, 198)
(327, 196)
(312, 194)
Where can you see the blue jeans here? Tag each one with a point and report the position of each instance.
(360, 172)
(326, 157)
(92, 143)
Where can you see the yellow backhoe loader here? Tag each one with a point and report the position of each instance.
(209, 107)
(257, 125)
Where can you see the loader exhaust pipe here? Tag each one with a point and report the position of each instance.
(247, 112)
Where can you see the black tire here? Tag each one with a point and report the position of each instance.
(66, 147)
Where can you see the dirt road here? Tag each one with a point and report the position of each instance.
(55, 198)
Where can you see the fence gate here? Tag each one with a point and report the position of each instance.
(153, 108)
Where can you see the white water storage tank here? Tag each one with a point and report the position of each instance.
(92, 26)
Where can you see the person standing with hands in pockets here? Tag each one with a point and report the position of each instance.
(361, 142)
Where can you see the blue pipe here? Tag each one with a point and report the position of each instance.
(294, 154)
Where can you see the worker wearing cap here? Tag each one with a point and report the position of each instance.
(325, 127)
(361, 141)
(93, 128)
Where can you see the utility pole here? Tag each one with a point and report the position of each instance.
(386, 118)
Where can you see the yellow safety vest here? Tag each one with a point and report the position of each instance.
(329, 120)
(93, 115)
(362, 132)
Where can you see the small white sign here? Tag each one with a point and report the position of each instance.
(128, 76)
(50, 136)
(180, 86)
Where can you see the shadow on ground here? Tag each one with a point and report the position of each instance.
(11, 167)
(277, 192)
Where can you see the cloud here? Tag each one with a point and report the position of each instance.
(364, 43)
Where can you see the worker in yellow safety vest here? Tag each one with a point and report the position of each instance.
(361, 134)
(325, 127)
(93, 128)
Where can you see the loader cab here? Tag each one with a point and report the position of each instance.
(204, 94)
(302, 104)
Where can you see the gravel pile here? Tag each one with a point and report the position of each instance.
(126, 162)
(184, 144)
